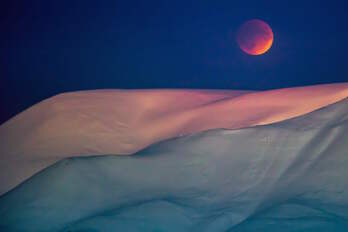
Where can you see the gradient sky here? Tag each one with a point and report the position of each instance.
(49, 47)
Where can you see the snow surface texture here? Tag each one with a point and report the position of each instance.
(286, 176)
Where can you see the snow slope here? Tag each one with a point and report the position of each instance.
(285, 176)
(125, 121)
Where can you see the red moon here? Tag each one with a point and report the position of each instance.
(255, 37)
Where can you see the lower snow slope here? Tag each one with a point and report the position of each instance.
(287, 176)
(125, 121)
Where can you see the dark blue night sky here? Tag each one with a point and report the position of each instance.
(49, 47)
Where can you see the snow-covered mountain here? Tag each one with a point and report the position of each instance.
(281, 166)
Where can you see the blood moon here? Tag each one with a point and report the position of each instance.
(255, 37)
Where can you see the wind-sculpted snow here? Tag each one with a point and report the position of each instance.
(122, 122)
(286, 176)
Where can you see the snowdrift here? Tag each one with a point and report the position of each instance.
(289, 175)
(125, 121)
